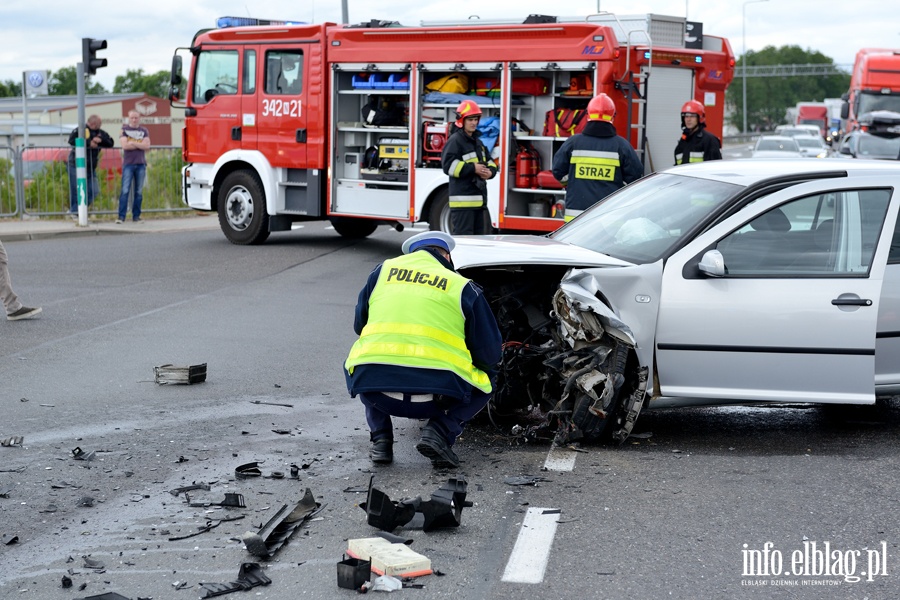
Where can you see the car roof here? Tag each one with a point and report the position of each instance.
(748, 171)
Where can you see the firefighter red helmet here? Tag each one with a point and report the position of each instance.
(601, 108)
(466, 108)
(692, 107)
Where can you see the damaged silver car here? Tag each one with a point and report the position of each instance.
(729, 282)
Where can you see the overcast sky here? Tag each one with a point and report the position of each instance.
(46, 34)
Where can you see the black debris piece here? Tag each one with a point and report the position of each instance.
(295, 471)
(90, 563)
(86, 501)
(66, 581)
(444, 509)
(106, 596)
(232, 500)
(247, 471)
(5, 493)
(189, 488)
(250, 575)
(170, 374)
(274, 534)
(10, 540)
(352, 573)
(15, 440)
(272, 403)
(79, 454)
(209, 525)
(395, 539)
(524, 480)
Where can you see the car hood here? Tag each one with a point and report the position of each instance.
(487, 250)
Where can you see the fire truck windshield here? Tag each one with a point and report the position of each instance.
(217, 73)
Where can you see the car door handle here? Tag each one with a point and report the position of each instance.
(851, 302)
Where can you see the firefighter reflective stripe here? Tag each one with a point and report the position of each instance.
(693, 157)
(466, 201)
(457, 165)
(594, 164)
(415, 320)
(570, 214)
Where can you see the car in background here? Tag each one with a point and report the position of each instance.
(37, 160)
(768, 281)
(862, 144)
(776, 146)
(794, 130)
(813, 146)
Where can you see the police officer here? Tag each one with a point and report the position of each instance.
(466, 160)
(696, 144)
(428, 348)
(595, 163)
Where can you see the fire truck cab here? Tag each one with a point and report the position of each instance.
(287, 123)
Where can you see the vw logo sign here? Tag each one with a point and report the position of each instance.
(35, 79)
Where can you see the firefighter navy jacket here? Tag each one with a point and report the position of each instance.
(482, 339)
(597, 162)
(458, 160)
(697, 146)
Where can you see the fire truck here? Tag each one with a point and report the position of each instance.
(874, 85)
(294, 122)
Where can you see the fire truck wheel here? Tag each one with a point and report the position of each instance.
(439, 214)
(242, 209)
(354, 228)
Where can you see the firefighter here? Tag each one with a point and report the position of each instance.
(595, 163)
(466, 160)
(696, 144)
(428, 348)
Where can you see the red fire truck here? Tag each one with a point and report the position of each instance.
(286, 123)
(874, 85)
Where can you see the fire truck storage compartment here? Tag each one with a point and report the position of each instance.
(532, 112)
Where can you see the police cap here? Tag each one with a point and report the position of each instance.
(438, 239)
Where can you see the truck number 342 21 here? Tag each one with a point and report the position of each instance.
(281, 108)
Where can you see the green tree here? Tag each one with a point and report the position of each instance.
(64, 82)
(134, 80)
(768, 98)
(10, 88)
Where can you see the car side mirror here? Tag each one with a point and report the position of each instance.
(712, 263)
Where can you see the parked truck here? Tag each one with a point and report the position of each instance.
(874, 85)
(293, 122)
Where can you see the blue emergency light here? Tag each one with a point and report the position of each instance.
(223, 22)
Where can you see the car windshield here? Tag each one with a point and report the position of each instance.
(809, 142)
(872, 146)
(643, 221)
(782, 145)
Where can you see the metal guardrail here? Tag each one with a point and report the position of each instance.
(35, 181)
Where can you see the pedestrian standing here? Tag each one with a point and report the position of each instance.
(596, 162)
(468, 163)
(135, 142)
(95, 140)
(15, 310)
(428, 348)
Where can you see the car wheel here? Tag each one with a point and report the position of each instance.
(439, 215)
(354, 228)
(242, 209)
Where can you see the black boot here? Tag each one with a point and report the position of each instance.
(382, 451)
(434, 446)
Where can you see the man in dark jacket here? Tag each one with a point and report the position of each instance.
(696, 144)
(466, 160)
(95, 139)
(428, 349)
(596, 162)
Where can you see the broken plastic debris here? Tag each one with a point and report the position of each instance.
(79, 454)
(275, 533)
(86, 501)
(272, 403)
(10, 540)
(90, 563)
(250, 575)
(524, 480)
(106, 596)
(232, 500)
(170, 374)
(203, 529)
(444, 509)
(247, 471)
(189, 488)
(352, 573)
(15, 440)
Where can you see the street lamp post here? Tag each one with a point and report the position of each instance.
(744, 57)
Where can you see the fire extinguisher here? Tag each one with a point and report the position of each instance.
(528, 163)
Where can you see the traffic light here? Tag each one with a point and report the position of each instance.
(89, 47)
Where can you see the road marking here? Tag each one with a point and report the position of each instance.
(560, 459)
(529, 556)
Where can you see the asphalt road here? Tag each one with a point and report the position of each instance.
(678, 511)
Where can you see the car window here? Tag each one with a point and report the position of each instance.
(216, 73)
(779, 145)
(284, 72)
(642, 223)
(894, 255)
(823, 235)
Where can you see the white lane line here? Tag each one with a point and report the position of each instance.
(560, 459)
(529, 556)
